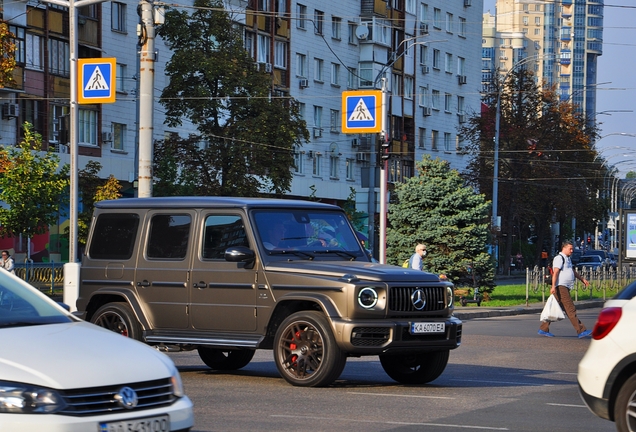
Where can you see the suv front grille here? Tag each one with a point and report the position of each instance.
(400, 299)
(101, 400)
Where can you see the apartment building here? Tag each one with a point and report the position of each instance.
(564, 37)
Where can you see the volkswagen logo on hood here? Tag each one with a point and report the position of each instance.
(419, 299)
(127, 397)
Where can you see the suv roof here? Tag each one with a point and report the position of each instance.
(190, 202)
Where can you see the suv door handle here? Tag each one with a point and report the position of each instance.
(143, 283)
(200, 285)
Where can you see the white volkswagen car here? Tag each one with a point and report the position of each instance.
(58, 373)
(607, 372)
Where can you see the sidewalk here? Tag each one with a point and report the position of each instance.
(469, 312)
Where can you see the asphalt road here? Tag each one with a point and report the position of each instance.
(503, 378)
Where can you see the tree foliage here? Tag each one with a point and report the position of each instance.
(93, 189)
(246, 136)
(437, 208)
(7, 55)
(549, 170)
(32, 186)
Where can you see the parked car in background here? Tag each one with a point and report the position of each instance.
(576, 256)
(590, 262)
(613, 260)
(605, 259)
(59, 373)
(607, 372)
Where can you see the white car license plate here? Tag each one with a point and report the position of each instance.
(422, 327)
(148, 424)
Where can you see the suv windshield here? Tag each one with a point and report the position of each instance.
(288, 231)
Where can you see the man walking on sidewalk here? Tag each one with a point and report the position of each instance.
(563, 277)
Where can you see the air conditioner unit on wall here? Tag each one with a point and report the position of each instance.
(462, 118)
(317, 132)
(423, 28)
(426, 111)
(107, 136)
(468, 3)
(425, 69)
(354, 142)
(303, 83)
(362, 157)
(461, 79)
(63, 149)
(268, 67)
(10, 110)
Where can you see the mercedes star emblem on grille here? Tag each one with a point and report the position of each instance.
(419, 299)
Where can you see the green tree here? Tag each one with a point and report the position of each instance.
(549, 170)
(32, 185)
(7, 55)
(437, 208)
(93, 189)
(246, 134)
(357, 218)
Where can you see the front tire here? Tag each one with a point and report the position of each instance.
(625, 406)
(219, 359)
(118, 317)
(420, 368)
(305, 350)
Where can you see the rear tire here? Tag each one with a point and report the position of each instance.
(625, 406)
(220, 359)
(420, 368)
(305, 350)
(118, 317)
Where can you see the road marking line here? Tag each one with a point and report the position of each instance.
(502, 382)
(396, 395)
(567, 405)
(455, 426)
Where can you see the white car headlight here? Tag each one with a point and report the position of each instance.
(177, 385)
(20, 398)
(451, 296)
(367, 297)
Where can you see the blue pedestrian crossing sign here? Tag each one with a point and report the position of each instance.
(96, 80)
(362, 111)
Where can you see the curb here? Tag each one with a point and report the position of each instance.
(479, 312)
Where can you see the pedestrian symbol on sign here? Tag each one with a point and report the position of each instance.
(361, 112)
(96, 81)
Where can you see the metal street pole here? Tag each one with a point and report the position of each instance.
(383, 177)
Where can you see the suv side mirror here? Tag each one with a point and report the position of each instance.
(239, 254)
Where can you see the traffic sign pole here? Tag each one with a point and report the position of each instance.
(383, 175)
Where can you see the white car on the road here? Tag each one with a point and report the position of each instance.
(58, 373)
(607, 372)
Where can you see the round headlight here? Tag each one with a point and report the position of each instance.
(451, 296)
(367, 297)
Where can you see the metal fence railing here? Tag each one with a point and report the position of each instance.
(44, 276)
(606, 282)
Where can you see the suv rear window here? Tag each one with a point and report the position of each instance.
(114, 236)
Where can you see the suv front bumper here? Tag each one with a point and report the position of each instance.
(393, 336)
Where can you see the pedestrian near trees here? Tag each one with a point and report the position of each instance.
(415, 262)
(563, 277)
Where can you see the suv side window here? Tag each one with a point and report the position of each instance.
(168, 237)
(114, 236)
(222, 232)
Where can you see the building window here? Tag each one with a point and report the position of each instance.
(350, 164)
(87, 127)
(423, 96)
(336, 24)
(301, 16)
(448, 102)
(55, 123)
(421, 143)
(435, 99)
(397, 85)
(318, 69)
(352, 78)
(537, 20)
(20, 45)
(423, 54)
(411, 7)
(448, 63)
(119, 136)
(537, 31)
(59, 57)
(335, 120)
(447, 141)
(34, 52)
(319, 19)
(280, 54)
(248, 43)
(118, 16)
(437, 18)
(436, 59)
(335, 74)
(302, 110)
(333, 167)
(366, 74)
(461, 66)
(120, 77)
(460, 104)
(298, 162)
(409, 82)
(263, 49)
(301, 65)
(462, 27)
(423, 12)
(449, 22)
(526, 20)
(317, 116)
(434, 139)
(352, 33)
(316, 164)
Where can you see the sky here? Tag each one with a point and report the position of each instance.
(617, 67)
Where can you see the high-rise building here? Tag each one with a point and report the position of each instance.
(564, 37)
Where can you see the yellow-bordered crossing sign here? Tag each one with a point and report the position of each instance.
(96, 80)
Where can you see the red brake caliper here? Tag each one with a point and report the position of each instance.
(293, 346)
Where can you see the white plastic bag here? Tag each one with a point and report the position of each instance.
(552, 310)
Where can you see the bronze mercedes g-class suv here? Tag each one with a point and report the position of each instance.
(227, 276)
